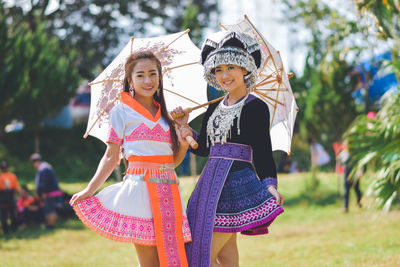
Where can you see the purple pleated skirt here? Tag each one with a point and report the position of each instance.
(245, 205)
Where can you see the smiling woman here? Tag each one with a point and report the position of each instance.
(231, 79)
(145, 209)
(144, 81)
(237, 190)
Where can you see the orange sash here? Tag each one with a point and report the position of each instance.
(166, 205)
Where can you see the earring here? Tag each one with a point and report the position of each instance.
(158, 92)
(132, 91)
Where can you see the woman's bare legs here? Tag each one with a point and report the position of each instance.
(229, 254)
(224, 248)
(147, 255)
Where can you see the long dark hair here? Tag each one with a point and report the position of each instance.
(129, 65)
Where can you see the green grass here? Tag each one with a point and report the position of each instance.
(312, 231)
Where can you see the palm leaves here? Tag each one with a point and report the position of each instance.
(375, 147)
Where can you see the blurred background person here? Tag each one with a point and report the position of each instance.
(8, 188)
(47, 189)
(350, 182)
(29, 208)
(319, 157)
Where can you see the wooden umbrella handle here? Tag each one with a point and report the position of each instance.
(188, 110)
(193, 144)
(180, 115)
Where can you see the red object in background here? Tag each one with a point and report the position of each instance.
(371, 115)
(338, 147)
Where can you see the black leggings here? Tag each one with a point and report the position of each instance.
(347, 185)
(8, 212)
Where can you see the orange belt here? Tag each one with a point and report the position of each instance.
(153, 159)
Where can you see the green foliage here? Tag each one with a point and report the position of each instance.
(95, 28)
(323, 91)
(72, 157)
(37, 78)
(375, 147)
(385, 14)
(300, 153)
(386, 23)
(375, 143)
(47, 76)
(190, 20)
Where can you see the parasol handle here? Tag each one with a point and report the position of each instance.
(174, 115)
(188, 110)
(180, 115)
(193, 144)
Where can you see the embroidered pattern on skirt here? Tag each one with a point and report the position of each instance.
(238, 222)
(201, 211)
(242, 190)
(120, 227)
(245, 203)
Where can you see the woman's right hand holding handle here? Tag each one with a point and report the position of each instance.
(181, 117)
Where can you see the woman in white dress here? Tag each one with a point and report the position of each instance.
(146, 207)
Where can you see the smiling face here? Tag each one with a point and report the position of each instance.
(230, 77)
(145, 78)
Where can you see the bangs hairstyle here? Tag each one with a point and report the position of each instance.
(130, 64)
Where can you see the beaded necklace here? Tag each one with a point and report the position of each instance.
(221, 121)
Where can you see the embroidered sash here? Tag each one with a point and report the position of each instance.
(203, 202)
(166, 205)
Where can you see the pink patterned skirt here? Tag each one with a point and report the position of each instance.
(122, 212)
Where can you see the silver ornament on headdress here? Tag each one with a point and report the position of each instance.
(221, 51)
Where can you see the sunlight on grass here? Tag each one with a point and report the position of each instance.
(312, 231)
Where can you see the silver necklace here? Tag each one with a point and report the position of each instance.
(221, 121)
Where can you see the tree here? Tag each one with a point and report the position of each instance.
(386, 23)
(95, 28)
(37, 77)
(374, 144)
(5, 62)
(324, 88)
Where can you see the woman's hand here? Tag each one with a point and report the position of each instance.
(183, 120)
(279, 198)
(181, 139)
(185, 131)
(84, 194)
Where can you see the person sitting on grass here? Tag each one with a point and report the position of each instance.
(29, 208)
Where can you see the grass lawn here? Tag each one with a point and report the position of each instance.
(312, 231)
